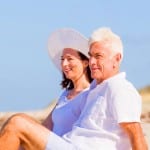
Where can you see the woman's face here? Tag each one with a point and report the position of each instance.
(72, 65)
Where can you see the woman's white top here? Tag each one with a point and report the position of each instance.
(67, 111)
(113, 101)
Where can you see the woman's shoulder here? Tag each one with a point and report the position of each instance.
(63, 95)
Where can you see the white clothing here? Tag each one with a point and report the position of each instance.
(67, 111)
(56, 142)
(113, 101)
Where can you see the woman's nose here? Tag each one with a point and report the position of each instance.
(64, 62)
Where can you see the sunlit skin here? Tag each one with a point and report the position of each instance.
(22, 130)
(72, 65)
(135, 133)
(104, 64)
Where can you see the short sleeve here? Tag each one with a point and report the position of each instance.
(126, 105)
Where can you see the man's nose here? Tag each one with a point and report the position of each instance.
(92, 60)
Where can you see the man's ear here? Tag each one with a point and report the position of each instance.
(117, 60)
(118, 57)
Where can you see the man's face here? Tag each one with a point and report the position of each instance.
(101, 61)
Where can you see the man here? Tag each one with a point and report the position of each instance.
(110, 119)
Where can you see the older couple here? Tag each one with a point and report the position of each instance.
(103, 115)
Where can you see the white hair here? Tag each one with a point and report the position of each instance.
(111, 39)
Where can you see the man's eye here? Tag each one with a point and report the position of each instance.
(89, 54)
(98, 56)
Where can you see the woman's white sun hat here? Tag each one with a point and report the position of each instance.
(66, 38)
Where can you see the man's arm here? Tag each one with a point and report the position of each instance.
(135, 134)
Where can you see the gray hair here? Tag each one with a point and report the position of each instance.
(111, 39)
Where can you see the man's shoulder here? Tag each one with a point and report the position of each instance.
(120, 84)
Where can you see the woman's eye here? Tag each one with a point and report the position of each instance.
(70, 58)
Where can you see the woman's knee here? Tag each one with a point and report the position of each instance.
(15, 122)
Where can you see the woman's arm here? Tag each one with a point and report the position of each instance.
(48, 123)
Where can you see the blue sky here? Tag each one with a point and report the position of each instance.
(28, 78)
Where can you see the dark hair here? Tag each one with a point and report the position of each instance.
(67, 83)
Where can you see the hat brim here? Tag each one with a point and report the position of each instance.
(66, 38)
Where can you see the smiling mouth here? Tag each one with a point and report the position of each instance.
(93, 69)
(67, 70)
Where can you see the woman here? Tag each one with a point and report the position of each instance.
(68, 49)
(72, 49)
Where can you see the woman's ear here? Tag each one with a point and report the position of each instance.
(85, 63)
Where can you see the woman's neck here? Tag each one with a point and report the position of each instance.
(79, 85)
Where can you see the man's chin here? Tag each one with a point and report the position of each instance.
(94, 76)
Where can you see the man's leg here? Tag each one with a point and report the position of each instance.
(22, 130)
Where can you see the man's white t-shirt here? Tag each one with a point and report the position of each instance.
(109, 103)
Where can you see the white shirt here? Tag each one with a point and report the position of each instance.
(67, 111)
(113, 101)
